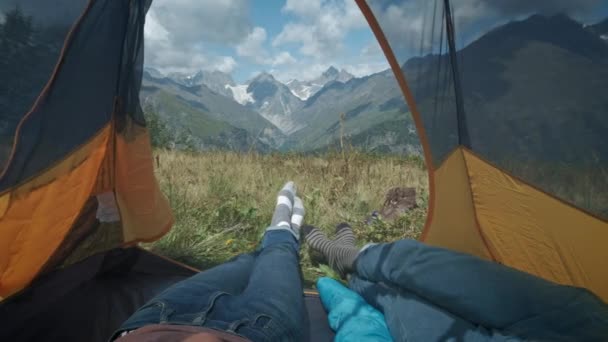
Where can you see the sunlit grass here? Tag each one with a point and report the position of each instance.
(223, 201)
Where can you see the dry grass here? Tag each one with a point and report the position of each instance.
(223, 201)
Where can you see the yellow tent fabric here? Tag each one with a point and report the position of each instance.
(41, 212)
(478, 208)
(80, 164)
(523, 227)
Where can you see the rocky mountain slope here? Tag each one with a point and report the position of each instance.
(180, 106)
(306, 89)
(275, 102)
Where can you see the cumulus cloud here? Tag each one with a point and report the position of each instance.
(179, 32)
(359, 66)
(253, 46)
(320, 27)
(372, 50)
(194, 21)
(226, 64)
(304, 8)
(318, 32)
(163, 53)
(283, 58)
(366, 68)
(302, 72)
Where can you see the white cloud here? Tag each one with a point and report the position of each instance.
(195, 21)
(300, 7)
(318, 33)
(179, 32)
(372, 51)
(154, 31)
(253, 46)
(364, 69)
(302, 72)
(283, 58)
(320, 28)
(226, 64)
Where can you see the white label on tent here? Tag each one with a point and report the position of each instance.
(107, 210)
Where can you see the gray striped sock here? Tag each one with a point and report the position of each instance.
(345, 235)
(340, 257)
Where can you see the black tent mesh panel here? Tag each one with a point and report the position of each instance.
(532, 88)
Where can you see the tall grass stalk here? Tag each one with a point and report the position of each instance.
(223, 201)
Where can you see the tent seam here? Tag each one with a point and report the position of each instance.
(477, 224)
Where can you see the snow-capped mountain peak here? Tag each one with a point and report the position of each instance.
(240, 94)
(274, 101)
(305, 89)
(214, 80)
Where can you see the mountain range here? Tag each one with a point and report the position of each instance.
(306, 89)
(522, 69)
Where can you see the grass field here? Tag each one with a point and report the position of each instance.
(223, 201)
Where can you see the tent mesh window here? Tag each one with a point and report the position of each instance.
(528, 96)
(31, 39)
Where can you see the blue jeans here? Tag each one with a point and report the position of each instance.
(433, 294)
(257, 296)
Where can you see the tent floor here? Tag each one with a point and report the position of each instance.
(89, 300)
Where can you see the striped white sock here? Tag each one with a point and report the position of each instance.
(284, 208)
(297, 217)
(284, 212)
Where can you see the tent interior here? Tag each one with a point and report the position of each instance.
(512, 127)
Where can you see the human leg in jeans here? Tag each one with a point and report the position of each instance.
(257, 296)
(415, 284)
(411, 318)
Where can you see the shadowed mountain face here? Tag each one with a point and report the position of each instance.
(525, 87)
(534, 103)
(275, 102)
(351, 109)
(207, 119)
(600, 29)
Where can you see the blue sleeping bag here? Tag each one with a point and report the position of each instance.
(349, 315)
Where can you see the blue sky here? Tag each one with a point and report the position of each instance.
(290, 39)
(302, 38)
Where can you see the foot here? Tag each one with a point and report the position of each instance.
(345, 235)
(289, 211)
(341, 256)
